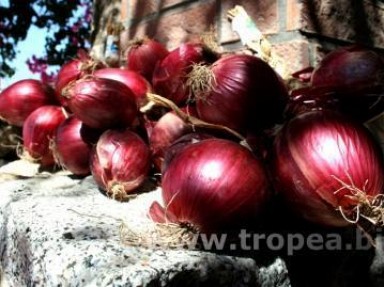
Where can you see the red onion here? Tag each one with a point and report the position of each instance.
(214, 185)
(102, 103)
(138, 84)
(143, 55)
(70, 150)
(179, 144)
(170, 75)
(239, 91)
(38, 131)
(349, 69)
(72, 71)
(167, 129)
(325, 164)
(356, 76)
(120, 162)
(21, 98)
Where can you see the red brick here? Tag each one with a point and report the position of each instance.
(263, 12)
(124, 11)
(294, 53)
(178, 25)
(137, 9)
(293, 19)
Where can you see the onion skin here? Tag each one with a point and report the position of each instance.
(167, 129)
(134, 81)
(179, 144)
(71, 151)
(170, 75)
(120, 162)
(349, 69)
(102, 103)
(143, 55)
(246, 94)
(355, 76)
(21, 98)
(70, 71)
(315, 150)
(73, 70)
(38, 131)
(214, 185)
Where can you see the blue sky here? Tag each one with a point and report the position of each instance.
(32, 45)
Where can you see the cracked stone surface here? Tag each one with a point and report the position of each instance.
(60, 231)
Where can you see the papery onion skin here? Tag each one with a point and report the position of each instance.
(102, 103)
(120, 162)
(134, 81)
(170, 75)
(70, 150)
(245, 94)
(38, 131)
(214, 185)
(21, 98)
(313, 153)
(143, 55)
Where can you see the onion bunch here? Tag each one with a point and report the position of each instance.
(327, 167)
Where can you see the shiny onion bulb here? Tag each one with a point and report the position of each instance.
(102, 103)
(39, 130)
(134, 81)
(327, 167)
(354, 76)
(143, 55)
(70, 150)
(241, 92)
(20, 99)
(120, 162)
(213, 185)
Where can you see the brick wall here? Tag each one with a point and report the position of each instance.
(301, 31)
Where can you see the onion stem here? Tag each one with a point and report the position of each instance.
(193, 121)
